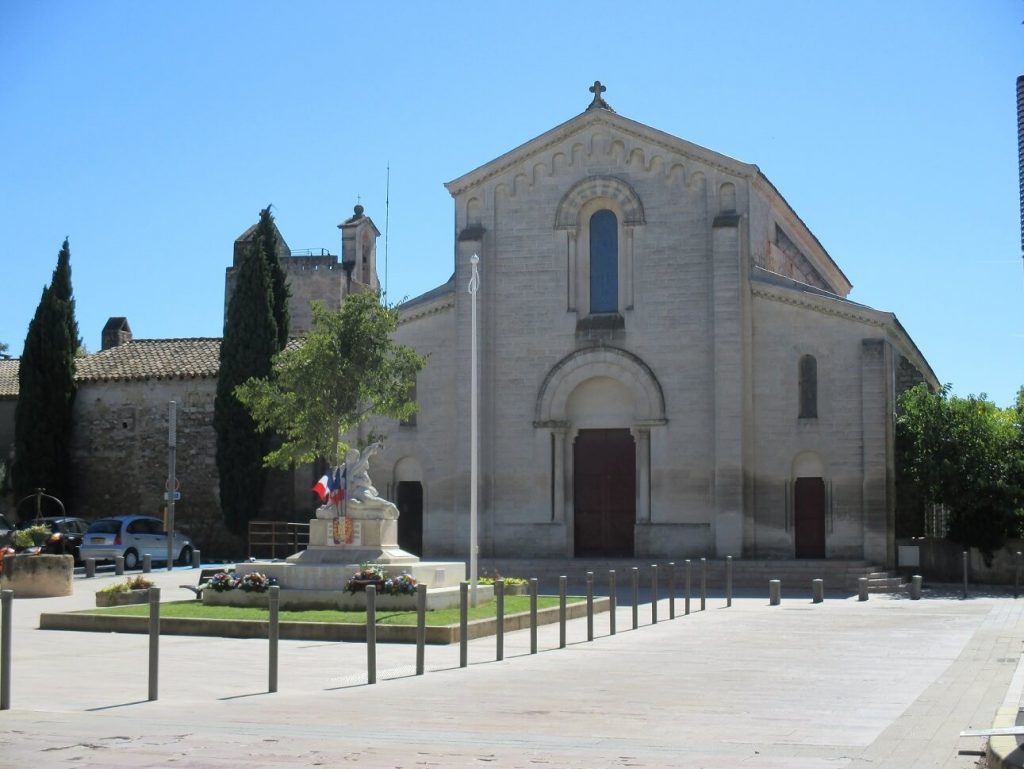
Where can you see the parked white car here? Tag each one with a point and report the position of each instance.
(132, 537)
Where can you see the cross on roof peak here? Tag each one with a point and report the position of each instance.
(599, 103)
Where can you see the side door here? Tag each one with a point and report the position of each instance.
(147, 537)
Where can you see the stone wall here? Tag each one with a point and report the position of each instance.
(119, 453)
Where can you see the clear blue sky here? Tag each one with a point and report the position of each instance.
(152, 133)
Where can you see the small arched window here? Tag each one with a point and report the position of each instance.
(604, 262)
(808, 387)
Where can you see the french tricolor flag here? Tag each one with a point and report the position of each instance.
(321, 488)
(337, 484)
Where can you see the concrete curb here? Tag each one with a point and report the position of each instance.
(87, 621)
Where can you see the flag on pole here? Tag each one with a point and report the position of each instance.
(337, 484)
(321, 488)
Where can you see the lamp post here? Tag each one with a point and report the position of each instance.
(474, 285)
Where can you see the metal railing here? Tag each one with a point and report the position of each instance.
(277, 539)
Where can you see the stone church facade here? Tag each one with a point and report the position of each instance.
(669, 367)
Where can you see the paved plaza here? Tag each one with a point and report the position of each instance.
(885, 683)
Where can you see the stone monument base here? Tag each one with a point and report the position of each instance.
(317, 576)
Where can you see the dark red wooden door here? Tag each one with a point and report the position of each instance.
(604, 467)
(809, 518)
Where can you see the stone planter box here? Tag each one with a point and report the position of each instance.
(124, 598)
(38, 576)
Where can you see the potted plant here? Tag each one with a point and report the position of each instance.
(132, 590)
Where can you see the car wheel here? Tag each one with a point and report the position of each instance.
(131, 560)
(185, 558)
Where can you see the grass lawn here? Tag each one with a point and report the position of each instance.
(192, 609)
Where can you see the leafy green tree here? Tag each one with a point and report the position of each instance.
(965, 454)
(46, 390)
(347, 369)
(251, 338)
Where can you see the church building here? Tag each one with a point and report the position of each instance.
(668, 364)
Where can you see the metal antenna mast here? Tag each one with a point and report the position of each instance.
(387, 215)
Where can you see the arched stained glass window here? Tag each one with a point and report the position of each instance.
(604, 262)
(808, 387)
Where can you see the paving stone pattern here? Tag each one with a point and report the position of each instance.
(886, 683)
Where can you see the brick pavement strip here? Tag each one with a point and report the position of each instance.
(885, 683)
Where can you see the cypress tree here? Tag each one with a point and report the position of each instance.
(267, 234)
(46, 391)
(249, 344)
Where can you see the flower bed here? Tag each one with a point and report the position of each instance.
(372, 574)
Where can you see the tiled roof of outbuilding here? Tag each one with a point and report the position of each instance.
(8, 378)
(142, 359)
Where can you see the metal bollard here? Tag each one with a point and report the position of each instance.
(817, 590)
(499, 630)
(728, 580)
(703, 583)
(118, 565)
(1016, 575)
(371, 634)
(654, 594)
(689, 573)
(463, 624)
(671, 589)
(197, 559)
(90, 567)
(636, 600)
(533, 615)
(421, 627)
(612, 601)
(774, 592)
(561, 612)
(915, 587)
(590, 606)
(273, 633)
(154, 641)
(147, 563)
(862, 588)
(964, 559)
(7, 602)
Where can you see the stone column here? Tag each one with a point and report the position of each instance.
(642, 437)
(877, 406)
(627, 256)
(729, 374)
(558, 473)
(571, 257)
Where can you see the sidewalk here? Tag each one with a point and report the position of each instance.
(886, 683)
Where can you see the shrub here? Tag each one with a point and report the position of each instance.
(137, 582)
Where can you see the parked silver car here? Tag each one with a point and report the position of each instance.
(133, 536)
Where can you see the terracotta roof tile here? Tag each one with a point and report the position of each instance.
(142, 359)
(8, 378)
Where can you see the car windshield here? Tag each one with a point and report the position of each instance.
(108, 526)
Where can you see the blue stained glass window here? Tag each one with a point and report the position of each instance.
(604, 262)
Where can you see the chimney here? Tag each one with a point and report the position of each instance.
(116, 332)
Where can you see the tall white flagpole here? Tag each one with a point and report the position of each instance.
(474, 285)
